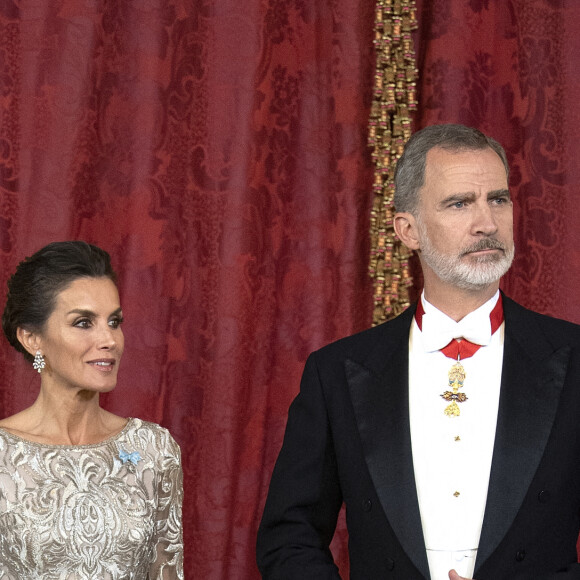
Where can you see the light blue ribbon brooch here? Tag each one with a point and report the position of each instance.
(131, 458)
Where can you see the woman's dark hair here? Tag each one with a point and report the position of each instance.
(33, 288)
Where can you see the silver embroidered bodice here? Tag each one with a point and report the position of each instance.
(108, 511)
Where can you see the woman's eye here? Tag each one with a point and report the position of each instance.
(83, 323)
(116, 322)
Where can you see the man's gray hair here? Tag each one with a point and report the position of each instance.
(410, 170)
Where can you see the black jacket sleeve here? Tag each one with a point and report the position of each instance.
(304, 498)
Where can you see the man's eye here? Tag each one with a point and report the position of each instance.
(458, 204)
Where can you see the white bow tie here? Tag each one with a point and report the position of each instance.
(439, 330)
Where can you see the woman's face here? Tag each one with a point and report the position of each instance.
(82, 340)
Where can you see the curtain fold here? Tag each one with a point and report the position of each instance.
(508, 68)
(217, 150)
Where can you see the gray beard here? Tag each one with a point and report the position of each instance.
(450, 269)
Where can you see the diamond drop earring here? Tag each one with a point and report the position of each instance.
(39, 362)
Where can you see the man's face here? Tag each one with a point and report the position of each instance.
(465, 219)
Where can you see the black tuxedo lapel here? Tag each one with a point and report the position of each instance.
(532, 378)
(380, 397)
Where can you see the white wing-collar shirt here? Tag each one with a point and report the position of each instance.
(452, 455)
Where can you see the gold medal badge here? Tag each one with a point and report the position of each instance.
(456, 379)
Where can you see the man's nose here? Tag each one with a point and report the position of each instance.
(484, 220)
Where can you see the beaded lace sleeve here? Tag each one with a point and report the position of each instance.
(168, 554)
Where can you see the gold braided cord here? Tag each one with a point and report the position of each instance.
(389, 129)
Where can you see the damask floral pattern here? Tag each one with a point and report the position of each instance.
(504, 67)
(217, 149)
(87, 512)
(538, 66)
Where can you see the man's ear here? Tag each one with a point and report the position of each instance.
(29, 340)
(407, 230)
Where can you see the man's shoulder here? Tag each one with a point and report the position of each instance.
(361, 344)
(530, 320)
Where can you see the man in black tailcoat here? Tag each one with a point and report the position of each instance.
(451, 433)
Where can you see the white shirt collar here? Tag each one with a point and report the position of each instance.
(438, 329)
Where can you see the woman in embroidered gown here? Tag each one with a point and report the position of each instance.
(84, 494)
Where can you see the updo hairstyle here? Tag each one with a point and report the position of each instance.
(33, 288)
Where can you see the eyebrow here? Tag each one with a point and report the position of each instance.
(470, 195)
(91, 314)
(499, 193)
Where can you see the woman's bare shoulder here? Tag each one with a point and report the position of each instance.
(114, 423)
(17, 423)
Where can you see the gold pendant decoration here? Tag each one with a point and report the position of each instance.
(456, 378)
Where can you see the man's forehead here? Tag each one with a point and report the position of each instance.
(440, 155)
(464, 164)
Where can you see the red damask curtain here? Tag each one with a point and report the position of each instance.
(510, 68)
(217, 150)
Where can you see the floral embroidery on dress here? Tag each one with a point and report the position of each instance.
(110, 511)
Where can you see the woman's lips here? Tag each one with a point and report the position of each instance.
(103, 365)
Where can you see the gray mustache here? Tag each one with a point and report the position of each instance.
(484, 244)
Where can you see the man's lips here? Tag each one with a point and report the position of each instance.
(486, 251)
(484, 247)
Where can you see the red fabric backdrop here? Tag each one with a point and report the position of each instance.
(217, 150)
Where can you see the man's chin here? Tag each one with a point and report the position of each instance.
(480, 277)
